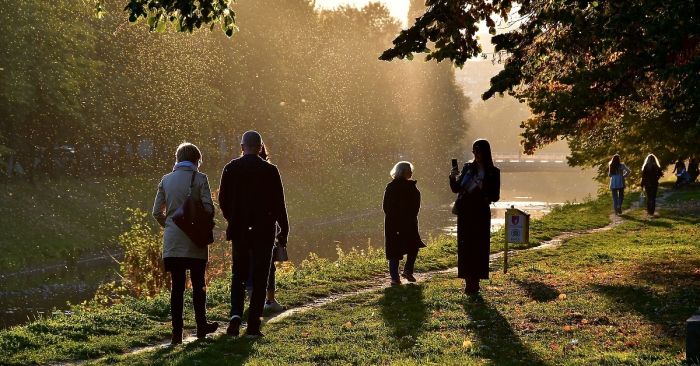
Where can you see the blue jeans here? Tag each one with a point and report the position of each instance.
(618, 194)
(407, 268)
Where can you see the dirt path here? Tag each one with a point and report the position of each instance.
(380, 283)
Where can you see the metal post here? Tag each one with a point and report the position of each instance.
(505, 257)
(692, 340)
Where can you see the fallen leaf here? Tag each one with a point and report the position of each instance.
(467, 344)
(567, 328)
(348, 325)
(562, 296)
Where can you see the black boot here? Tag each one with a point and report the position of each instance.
(234, 327)
(206, 328)
(177, 337)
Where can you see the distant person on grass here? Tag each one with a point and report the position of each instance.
(251, 198)
(617, 171)
(478, 185)
(651, 172)
(401, 205)
(179, 252)
(681, 173)
(693, 169)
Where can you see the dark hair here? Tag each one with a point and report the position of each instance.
(651, 162)
(614, 165)
(483, 147)
(188, 152)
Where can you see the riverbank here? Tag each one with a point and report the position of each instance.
(91, 330)
(615, 297)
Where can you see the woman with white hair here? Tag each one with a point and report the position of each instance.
(401, 205)
(651, 172)
(180, 253)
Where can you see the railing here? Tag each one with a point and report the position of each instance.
(519, 158)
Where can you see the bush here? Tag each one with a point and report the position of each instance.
(142, 268)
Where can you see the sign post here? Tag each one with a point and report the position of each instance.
(517, 231)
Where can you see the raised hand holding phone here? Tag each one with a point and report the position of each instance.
(455, 168)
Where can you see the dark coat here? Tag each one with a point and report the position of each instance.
(251, 197)
(474, 223)
(650, 176)
(401, 205)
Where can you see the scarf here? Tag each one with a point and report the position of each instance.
(185, 164)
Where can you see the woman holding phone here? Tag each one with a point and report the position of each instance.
(478, 185)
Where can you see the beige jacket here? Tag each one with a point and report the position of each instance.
(172, 192)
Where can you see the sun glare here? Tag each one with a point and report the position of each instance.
(397, 8)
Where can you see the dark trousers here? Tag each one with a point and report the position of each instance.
(271, 283)
(618, 195)
(651, 198)
(256, 252)
(178, 275)
(407, 268)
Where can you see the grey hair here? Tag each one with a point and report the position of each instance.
(188, 152)
(400, 169)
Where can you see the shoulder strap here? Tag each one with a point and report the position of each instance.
(194, 173)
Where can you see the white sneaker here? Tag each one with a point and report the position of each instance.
(273, 306)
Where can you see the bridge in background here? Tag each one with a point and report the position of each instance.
(529, 163)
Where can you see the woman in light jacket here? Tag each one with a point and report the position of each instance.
(179, 252)
(617, 171)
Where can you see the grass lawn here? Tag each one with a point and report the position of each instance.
(618, 297)
(92, 330)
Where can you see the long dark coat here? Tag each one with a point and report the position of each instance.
(251, 198)
(474, 223)
(401, 205)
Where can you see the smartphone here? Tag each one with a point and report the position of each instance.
(454, 164)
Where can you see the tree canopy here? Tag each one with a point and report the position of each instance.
(185, 15)
(123, 98)
(608, 76)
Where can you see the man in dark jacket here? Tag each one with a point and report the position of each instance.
(251, 199)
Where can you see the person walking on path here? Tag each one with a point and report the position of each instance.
(401, 237)
(271, 303)
(651, 172)
(251, 197)
(179, 252)
(478, 185)
(617, 171)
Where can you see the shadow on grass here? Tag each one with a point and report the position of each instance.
(223, 350)
(646, 221)
(538, 291)
(404, 310)
(498, 341)
(665, 293)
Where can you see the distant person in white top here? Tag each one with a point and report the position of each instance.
(617, 171)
